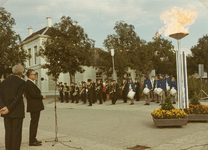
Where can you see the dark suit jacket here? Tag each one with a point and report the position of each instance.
(34, 97)
(11, 95)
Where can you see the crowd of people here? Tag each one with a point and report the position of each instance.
(154, 89)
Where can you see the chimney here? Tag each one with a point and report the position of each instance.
(30, 31)
(49, 21)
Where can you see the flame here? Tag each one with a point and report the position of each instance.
(178, 20)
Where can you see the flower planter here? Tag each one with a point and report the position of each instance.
(170, 122)
(198, 117)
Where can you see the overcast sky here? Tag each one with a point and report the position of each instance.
(98, 17)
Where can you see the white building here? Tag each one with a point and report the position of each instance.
(32, 44)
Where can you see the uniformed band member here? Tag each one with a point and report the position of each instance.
(61, 90)
(104, 92)
(107, 90)
(94, 99)
(76, 93)
(98, 89)
(151, 91)
(83, 92)
(89, 91)
(168, 83)
(72, 90)
(147, 84)
(173, 85)
(163, 87)
(131, 87)
(66, 92)
(137, 87)
(113, 92)
(124, 87)
(156, 85)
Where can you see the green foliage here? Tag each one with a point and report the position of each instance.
(131, 52)
(167, 104)
(11, 51)
(194, 86)
(195, 99)
(199, 56)
(164, 58)
(67, 49)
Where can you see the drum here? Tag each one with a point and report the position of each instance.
(167, 87)
(131, 94)
(146, 91)
(173, 91)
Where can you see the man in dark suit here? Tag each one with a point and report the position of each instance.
(124, 87)
(137, 88)
(12, 107)
(34, 106)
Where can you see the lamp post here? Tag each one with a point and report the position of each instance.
(114, 73)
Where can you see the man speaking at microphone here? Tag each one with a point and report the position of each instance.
(34, 106)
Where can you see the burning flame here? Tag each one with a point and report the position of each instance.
(177, 20)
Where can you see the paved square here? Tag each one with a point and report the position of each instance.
(109, 127)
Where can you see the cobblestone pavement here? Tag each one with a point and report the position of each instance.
(109, 127)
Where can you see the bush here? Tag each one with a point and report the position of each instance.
(167, 105)
(195, 99)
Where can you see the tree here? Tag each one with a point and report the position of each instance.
(199, 55)
(164, 57)
(127, 46)
(11, 52)
(67, 49)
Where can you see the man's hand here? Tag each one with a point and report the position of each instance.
(44, 97)
(4, 110)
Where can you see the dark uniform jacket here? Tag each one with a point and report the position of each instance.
(34, 97)
(11, 96)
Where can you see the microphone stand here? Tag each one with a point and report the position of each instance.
(56, 121)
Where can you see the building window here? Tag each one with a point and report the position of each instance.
(29, 53)
(98, 75)
(36, 53)
(128, 74)
(51, 83)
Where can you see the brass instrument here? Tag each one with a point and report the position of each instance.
(76, 92)
(113, 89)
(98, 88)
(122, 87)
(82, 90)
(66, 90)
(89, 86)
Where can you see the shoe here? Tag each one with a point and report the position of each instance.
(39, 142)
(157, 102)
(146, 104)
(89, 105)
(35, 144)
(174, 102)
(131, 104)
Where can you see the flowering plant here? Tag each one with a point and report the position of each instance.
(168, 111)
(168, 114)
(197, 109)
